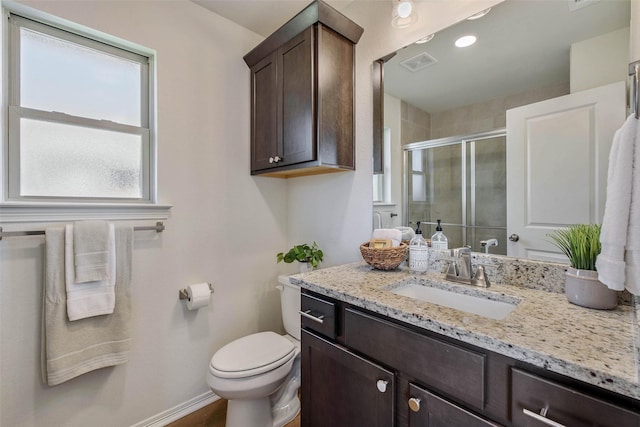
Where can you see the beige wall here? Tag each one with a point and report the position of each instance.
(225, 227)
(600, 60)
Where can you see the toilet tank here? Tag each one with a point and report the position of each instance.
(290, 302)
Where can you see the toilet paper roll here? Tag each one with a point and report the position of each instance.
(198, 296)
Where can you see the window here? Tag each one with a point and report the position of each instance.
(79, 118)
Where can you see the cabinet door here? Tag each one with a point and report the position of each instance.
(296, 126)
(342, 389)
(429, 410)
(264, 95)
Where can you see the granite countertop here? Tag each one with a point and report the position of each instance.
(545, 330)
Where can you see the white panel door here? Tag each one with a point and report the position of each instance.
(557, 158)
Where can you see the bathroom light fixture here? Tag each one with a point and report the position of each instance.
(403, 13)
(425, 39)
(466, 41)
(479, 14)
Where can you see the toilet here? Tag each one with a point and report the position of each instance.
(259, 374)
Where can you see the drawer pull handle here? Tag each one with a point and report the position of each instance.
(309, 316)
(414, 404)
(541, 417)
(382, 385)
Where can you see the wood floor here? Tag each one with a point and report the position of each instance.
(213, 415)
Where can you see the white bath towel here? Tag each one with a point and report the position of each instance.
(91, 243)
(69, 348)
(388, 234)
(90, 298)
(619, 261)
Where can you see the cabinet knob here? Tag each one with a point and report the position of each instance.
(382, 385)
(271, 160)
(514, 237)
(414, 404)
(277, 159)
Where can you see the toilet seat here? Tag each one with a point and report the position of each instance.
(252, 355)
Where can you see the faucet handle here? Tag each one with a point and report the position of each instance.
(451, 269)
(481, 278)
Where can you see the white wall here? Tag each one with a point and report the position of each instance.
(226, 227)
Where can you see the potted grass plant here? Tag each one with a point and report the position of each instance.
(308, 256)
(581, 244)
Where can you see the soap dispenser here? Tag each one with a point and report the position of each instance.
(418, 253)
(439, 240)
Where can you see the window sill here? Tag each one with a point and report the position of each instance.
(52, 212)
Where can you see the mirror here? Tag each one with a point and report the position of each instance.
(444, 132)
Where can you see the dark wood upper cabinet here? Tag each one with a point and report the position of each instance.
(302, 103)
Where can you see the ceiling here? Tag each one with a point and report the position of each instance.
(262, 16)
(522, 44)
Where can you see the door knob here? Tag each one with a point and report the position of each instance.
(414, 404)
(514, 237)
(382, 385)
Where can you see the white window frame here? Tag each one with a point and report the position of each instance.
(28, 209)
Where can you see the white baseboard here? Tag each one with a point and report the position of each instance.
(179, 411)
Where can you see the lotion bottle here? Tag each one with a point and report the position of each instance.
(439, 240)
(418, 253)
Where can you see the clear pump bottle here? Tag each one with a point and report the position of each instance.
(439, 240)
(418, 253)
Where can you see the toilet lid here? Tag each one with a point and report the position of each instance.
(252, 355)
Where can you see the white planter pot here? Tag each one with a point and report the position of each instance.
(305, 267)
(583, 288)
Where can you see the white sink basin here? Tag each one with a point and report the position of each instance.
(479, 305)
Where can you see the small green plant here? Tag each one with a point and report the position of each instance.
(302, 253)
(580, 243)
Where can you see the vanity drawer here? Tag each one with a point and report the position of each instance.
(450, 369)
(318, 315)
(564, 405)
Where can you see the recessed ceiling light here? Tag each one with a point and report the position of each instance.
(425, 39)
(479, 14)
(466, 41)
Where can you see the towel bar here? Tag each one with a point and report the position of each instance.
(159, 227)
(634, 71)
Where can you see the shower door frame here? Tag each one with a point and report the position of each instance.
(441, 142)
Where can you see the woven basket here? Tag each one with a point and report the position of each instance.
(384, 259)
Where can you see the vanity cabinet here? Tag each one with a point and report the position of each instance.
(364, 369)
(302, 104)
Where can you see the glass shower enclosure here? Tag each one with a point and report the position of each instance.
(462, 181)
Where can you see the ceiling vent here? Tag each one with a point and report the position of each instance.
(419, 62)
(579, 4)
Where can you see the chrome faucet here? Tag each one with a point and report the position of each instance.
(486, 244)
(460, 269)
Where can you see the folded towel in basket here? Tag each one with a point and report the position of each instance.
(389, 234)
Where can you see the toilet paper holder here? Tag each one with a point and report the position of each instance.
(182, 293)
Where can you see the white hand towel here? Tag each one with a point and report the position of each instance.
(91, 251)
(388, 234)
(69, 348)
(619, 259)
(90, 298)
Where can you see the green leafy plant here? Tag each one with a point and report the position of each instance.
(580, 243)
(302, 253)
